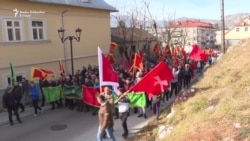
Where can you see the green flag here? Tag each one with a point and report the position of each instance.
(52, 93)
(137, 99)
(73, 92)
(12, 74)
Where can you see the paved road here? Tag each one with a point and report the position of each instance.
(80, 127)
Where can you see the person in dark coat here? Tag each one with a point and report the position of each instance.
(41, 85)
(181, 76)
(10, 104)
(187, 75)
(18, 92)
(26, 87)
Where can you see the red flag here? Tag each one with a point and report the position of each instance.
(141, 53)
(161, 54)
(61, 69)
(124, 63)
(198, 54)
(183, 52)
(113, 45)
(211, 52)
(106, 73)
(156, 49)
(89, 96)
(167, 51)
(41, 73)
(156, 81)
(138, 63)
(110, 58)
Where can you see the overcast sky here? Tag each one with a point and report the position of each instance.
(202, 9)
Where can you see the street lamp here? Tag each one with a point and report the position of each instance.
(71, 38)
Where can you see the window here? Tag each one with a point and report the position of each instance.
(13, 30)
(37, 30)
(237, 29)
(6, 78)
(246, 29)
(18, 79)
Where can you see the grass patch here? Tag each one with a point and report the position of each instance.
(226, 87)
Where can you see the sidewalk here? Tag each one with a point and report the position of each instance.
(29, 111)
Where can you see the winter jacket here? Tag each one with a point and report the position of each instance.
(9, 100)
(34, 93)
(18, 92)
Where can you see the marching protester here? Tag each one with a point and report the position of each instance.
(180, 78)
(26, 87)
(18, 92)
(142, 109)
(34, 93)
(107, 92)
(105, 115)
(174, 82)
(187, 75)
(123, 107)
(42, 84)
(156, 102)
(10, 104)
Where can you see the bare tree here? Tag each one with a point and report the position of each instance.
(147, 6)
(121, 25)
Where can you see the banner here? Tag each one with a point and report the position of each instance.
(137, 99)
(89, 96)
(72, 92)
(52, 94)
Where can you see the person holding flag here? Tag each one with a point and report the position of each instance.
(123, 107)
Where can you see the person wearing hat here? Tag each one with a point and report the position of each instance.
(10, 104)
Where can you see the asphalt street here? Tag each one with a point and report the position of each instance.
(76, 126)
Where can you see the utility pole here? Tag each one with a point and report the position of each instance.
(223, 46)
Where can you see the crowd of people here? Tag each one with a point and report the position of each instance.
(183, 71)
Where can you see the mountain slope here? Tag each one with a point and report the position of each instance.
(218, 110)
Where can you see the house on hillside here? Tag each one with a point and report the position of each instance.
(29, 34)
(132, 40)
(240, 31)
(189, 32)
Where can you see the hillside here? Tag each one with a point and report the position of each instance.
(231, 20)
(219, 109)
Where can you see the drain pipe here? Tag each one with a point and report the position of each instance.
(64, 44)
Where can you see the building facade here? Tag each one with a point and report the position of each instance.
(29, 37)
(132, 40)
(240, 31)
(189, 32)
